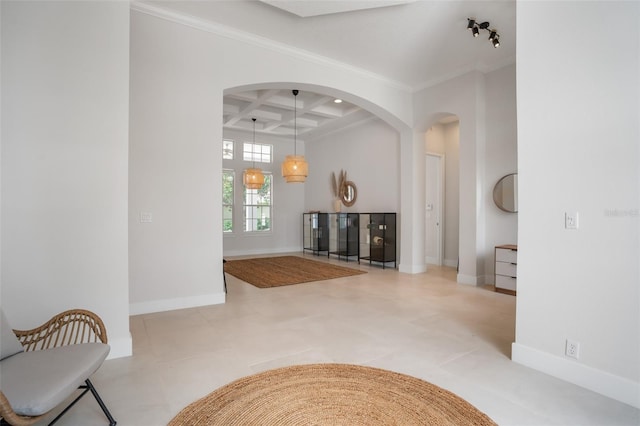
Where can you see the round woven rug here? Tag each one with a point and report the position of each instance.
(330, 394)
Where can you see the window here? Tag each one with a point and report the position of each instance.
(257, 207)
(260, 153)
(227, 149)
(228, 178)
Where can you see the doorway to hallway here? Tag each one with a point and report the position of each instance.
(434, 215)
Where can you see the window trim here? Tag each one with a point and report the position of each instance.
(231, 172)
(244, 207)
(256, 157)
(233, 148)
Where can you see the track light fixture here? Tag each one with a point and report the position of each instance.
(475, 28)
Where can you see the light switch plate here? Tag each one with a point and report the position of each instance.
(146, 217)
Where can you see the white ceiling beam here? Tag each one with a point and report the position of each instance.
(244, 112)
(274, 110)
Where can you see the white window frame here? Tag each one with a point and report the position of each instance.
(251, 228)
(225, 143)
(258, 152)
(232, 173)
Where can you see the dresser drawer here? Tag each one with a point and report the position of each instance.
(506, 255)
(507, 283)
(508, 269)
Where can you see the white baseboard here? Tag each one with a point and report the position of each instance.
(452, 263)
(261, 251)
(607, 384)
(178, 303)
(489, 279)
(467, 279)
(412, 269)
(120, 348)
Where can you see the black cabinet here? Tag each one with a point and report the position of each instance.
(343, 239)
(315, 228)
(365, 236)
(378, 238)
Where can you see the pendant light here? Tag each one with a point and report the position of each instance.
(252, 177)
(295, 168)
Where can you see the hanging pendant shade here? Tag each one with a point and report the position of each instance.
(252, 177)
(294, 168)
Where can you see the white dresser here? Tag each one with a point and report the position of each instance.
(506, 268)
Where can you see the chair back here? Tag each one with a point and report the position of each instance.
(68, 328)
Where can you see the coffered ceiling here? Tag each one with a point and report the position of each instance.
(411, 44)
(316, 114)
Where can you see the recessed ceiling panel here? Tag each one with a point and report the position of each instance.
(274, 112)
(307, 8)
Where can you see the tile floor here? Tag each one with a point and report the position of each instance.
(458, 337)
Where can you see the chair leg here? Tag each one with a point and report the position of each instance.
(224, 276)
(70, 405)
(93, 390)
(87, 387)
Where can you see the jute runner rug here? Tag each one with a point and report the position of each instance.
(330, 394)
(266, 272)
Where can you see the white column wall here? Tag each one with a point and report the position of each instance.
(65, 82)
(579, 151)
(452, 193)
(501, 159)
(412, 201)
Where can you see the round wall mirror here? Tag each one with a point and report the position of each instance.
(505, 193)
(349, 193)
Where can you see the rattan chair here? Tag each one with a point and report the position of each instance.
(69, 336)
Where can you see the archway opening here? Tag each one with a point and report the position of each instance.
(442, 191)
(355, 135)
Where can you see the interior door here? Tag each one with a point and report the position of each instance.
(434, 208)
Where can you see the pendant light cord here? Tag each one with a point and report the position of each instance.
(253, 154)
(295, 122)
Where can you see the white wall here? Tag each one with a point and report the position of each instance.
(177, 88)
(175, 168)
(65, 81)
(501, 158)
(288, 200)
(369, 153)
(578, 151)
(452, 193)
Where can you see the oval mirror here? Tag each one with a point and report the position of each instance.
(349, 193)
(505, 193)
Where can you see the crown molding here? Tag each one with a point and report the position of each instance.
(312, 136)
(483, 68)
(242, 36)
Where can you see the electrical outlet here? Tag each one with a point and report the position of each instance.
(572, 350)
(571, 220)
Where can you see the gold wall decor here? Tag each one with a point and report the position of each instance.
(344, 190)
